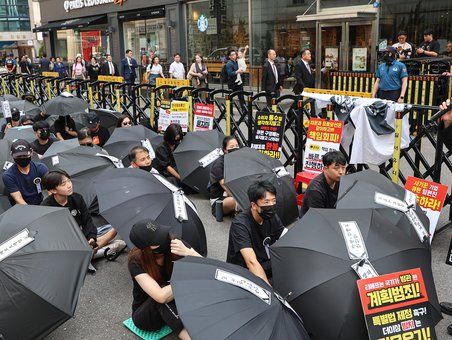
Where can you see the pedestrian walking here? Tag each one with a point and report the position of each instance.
(303, 73)
(78, 69)
(233, 71)
(93, 69)
(198, 72)
(44, 63)
(177, 70)
(109, 68)
(271, 81)
(128, 67)
(154, 70)
(24, 66)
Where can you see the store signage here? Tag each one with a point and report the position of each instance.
(202, 23)
(70, 5)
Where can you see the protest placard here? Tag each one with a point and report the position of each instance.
(203, 117)
(268, 133)
(177, 114)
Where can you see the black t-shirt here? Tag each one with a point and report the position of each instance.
(100, 137)
(139, 295)
(39, 148)
(77, 207)
(216, 175)
(24, 66)
(245, 232)
(319, 195)
(432, 46)
(164, 158)
(59, 126)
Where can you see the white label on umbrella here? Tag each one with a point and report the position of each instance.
(364, 269)
(15, 243)
(417, 225)
(6, 109)
(353, 240)
(239, 281)
(167, 184)
(281, 171)
(285, 303)
(55, 160)
(410, 199)
(390, 202)
(190, 204)
(180, 210)
(7, 165)
(147, 144)
(210, 157)
(21, 113)
(116, 162)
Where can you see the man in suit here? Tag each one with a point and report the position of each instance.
(271, 80)
(109, 68)
(128, 66)
(303, 73)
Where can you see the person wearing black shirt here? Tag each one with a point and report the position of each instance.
(15, 120)
(429, 47)
(93, 69)
(43, 140)
(150, 265)
(255, 230)
(164, 159)
(323, 189)
(217, 189)
(99, 134)
(65, 128)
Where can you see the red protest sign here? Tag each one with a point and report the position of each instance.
(203, 117)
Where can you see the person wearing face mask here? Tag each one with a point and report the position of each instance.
(150, 265)
(253, 231)
(99, 134)
(43, 140)
(392, 78)
(217, 189)
(23, 179)
(84, 137)
(164, 159)
(13, 122)
(141, 159)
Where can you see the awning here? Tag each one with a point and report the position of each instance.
(340, 13)
(73, 23)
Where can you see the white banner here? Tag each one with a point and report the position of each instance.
(210, 157)
(353, 240)
(15, 243)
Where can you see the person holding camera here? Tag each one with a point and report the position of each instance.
(404, 49)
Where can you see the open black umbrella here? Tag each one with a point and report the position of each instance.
(107, 118)
(312, 264)
(195, 155)
(130, 195)
(124, 139)
(20, 132)
(218, 300)
(26, 107)
(358, 191)
(41, 276)
(61, 146)
(83, 164)
(9, 98)
(246, 166)
(64, 105)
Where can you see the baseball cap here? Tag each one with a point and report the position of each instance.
(147, 233)
(428, 31)
(91, 120)
(21, 147)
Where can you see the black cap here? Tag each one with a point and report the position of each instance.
(147, 233)
(15, 114)
(402, 33)
(21, 147)
(91, 120)
(428, 31)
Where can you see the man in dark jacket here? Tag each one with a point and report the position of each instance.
(303, 73)
(271, 81)
(128, 67)
(232, 69)
(109, 68)
(44, 63)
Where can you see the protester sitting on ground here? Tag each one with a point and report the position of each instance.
(59, 185)
(323, 189)
(65, 128)
(255, 230)
(84, 137)
(141, 159)
(23, 179)
(99, 134)
(217, 189)
(151, 265)
(164, 159)
(14, 122)
(447, 119)
(43, 140)
(26, 120)
(124, 121)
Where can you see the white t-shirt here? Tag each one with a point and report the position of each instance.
(154, 69)
(403, 47)
(177, 70)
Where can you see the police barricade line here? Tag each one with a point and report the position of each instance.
(239, 118)
(143, 95)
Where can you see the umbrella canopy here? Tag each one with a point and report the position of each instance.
(5, 204)
(213, 305)
(8, 97)
(188, 154)
(21, 132)
(358, 190)
(64, 105)
(311, 261)
(62, 146)
(41, 281)
(124, 139)
(127, 196)
(26, 107)
(83, 164)
(107, 118)
(246, 166)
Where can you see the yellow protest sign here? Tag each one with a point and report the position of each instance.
(50, 74)
(172, 82)
(340, 93)
(111, 79)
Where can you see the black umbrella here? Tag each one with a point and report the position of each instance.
(64, 105)
(195, 155)
(5, 204)
(83, 164)
(124, 139)
(20, 132)
(62, 146)
(9, 98)
(41, 281)
(246, 166)
(312, 264)
(130, 195)
(107, 118)
(218, 300)
(358, 190)
(26, 107)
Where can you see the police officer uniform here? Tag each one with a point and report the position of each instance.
(390, 75)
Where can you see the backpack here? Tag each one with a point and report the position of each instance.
(224, 74)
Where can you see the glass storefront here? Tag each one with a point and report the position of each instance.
(14, 15)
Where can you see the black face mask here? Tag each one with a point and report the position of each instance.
(163, 248)
(45, 134)
(267, 211)
(88, 144)
(22, 162)
(146, 168)
(388, 58)
(232, 150)
(176, 143)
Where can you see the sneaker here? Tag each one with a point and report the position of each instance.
(91, 268)
(115, 248)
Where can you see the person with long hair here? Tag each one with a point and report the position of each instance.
(198, 72)
(93, 69)
(164, 159)
(124, 121)
(78, 69)
(151, 265)
(154, 70)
